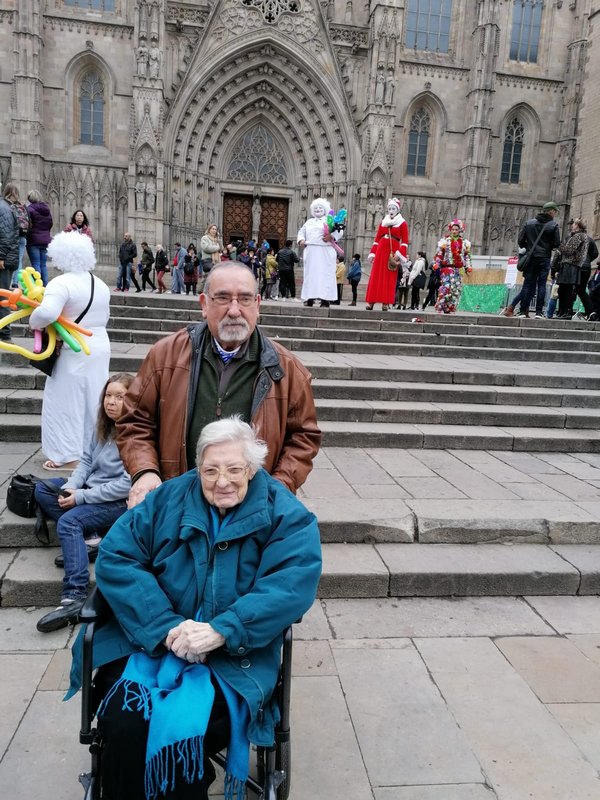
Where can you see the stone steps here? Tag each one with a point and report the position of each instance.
(29, 577)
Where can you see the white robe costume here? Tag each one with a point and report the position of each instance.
(319, 261)
(72, 393)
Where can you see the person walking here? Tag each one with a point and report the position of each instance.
(354, 276)
(433, 285)
(127, 256)
(9, 253)
(162, 266)
(535, 274)
(147, 264)
(177, 284)
(38, 235)
(417, 279)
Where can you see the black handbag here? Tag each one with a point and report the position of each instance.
(46, 365)
(20, 499)
(420, 281)
(525, 258)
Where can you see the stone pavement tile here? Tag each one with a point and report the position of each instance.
(352, 571)
(400, 463)
(32, 578)
(321, 461)
(531, 491)
(405, 732)
(45, 757)
(590, 458)
(314, 624)
(572, 465)
(579, 615)
(440, 461)
(490, 466)
(586, 558)
(382, 492)
(312, 658)
(6, 559)
(432, 616)
(483, 569)
(11, 462)
(26, 449)
(357, 466)
(463, 791)
(589, 644)
(523, 751)
(18, 631)
(56, 676)
(570, 487)
(452, 436)
(21, 674)
(525, 462)
(350, 519)
(434, 488)
(582, 722)
(325, 483)
(326, 759)
(554, 668)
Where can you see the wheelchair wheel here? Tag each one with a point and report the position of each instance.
(284, 764)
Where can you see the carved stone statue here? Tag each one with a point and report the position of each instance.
(379, 87)
(142, 59)
(256, 212)
(187, 208)
(140, 195)
(151, 196)
(597, 216)
(370, 215)
(390, 86)
(175, 205)
(143, 24)
(378, 214)
(154, 57)
(154, 15)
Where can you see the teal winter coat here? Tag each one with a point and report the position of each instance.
(157, 568)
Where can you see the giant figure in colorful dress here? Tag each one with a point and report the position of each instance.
(453, 254)
(319, 255)
(389, 250)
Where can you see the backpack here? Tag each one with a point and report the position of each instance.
(188, 267)
(22, 216)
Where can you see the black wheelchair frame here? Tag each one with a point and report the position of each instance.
(273, 764)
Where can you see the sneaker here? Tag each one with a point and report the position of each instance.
(593, 317)
(539, 316)
(507, 312)
(523, 315)
(67, 613)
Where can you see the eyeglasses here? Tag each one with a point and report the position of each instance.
(243, 300)
(233, 474)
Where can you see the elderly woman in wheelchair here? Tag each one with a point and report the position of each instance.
(202, 579)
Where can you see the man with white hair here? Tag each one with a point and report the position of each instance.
(319, 255)
(214, 369)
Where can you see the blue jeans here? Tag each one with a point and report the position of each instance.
(177, 284)
(37, 256)
(72, 527)
(22, 246)
(534, 283)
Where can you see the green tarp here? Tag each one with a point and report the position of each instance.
(488, 299)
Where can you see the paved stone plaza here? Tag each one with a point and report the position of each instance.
(393, 699)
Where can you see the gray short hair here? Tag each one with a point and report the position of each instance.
(34, 196)
(233, 429)
(221, 267)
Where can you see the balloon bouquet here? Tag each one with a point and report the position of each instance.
(27, 296)
(335, 223)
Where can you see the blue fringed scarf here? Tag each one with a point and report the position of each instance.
(164, 690)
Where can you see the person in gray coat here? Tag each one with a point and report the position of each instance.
(9, 254)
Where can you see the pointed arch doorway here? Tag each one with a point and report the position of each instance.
(237, 219)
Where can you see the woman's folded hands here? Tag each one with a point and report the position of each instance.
(192, 640)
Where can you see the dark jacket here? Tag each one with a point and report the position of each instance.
(286, 258)
(158, 409)
(162, 260)
(549, 241)
(573, 257)
(9, 236)
(355, 271)
(147, 258)
(258, 576)
(591, 255)
(127, 252)
(38, 234)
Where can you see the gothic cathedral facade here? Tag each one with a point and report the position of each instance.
(160, 117)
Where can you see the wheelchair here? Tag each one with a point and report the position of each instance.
(273, 764)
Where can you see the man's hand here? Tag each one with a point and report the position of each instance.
(193, 640)
(67, 502)
(301, 243)
(146, 483)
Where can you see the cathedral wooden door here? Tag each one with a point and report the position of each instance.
(237, 218)
(273, 221)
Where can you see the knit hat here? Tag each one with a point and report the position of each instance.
(550, 207)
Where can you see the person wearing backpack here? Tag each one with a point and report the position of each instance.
(9, 247)
(147, 262)
(38, 235)
(11, 195)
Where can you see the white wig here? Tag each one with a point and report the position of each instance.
(72, 252)
(233, 429)
(320, 201)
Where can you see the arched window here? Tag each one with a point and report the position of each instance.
(428, 25)
(418, 142)
(91, 109)
(257, 159)
(96, 5)
(526, 26)
(513, 151)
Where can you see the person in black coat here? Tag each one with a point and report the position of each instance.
(127, 256)
(9, 250)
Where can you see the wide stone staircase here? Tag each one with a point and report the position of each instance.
(461, 455)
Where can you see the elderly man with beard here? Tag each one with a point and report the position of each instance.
(214, 369)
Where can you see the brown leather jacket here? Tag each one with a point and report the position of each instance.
(151, 433)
